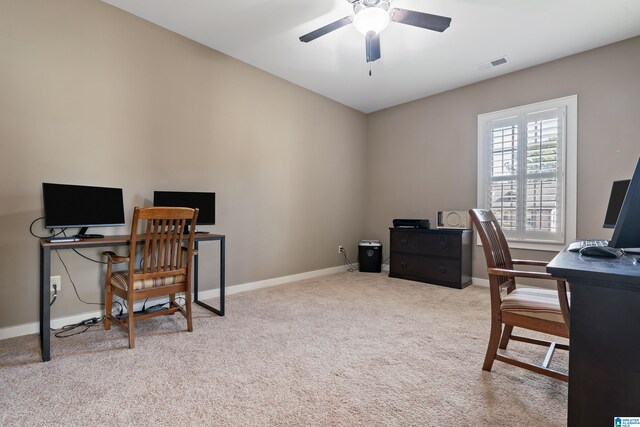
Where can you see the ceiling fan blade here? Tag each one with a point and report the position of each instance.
(419, 19)
(326, 29)
(373, 46)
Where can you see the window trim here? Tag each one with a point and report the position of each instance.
(570, 186)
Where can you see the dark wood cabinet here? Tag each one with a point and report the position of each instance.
(441, 257)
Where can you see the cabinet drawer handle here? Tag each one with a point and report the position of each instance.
(404, 242)
(443, 244)
(403, 264)
(442, 268)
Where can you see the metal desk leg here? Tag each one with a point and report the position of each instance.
(195, 272)
(219, 312)
(222, 278)
(45, 309)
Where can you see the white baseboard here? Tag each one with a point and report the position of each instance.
(34, 327)
(480, 282)
(230, 290)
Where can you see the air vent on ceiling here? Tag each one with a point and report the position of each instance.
(491, 64)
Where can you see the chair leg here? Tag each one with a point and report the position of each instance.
(187, 309)
(130, 316)
(492, 347)
(506, 335)
(108, 304)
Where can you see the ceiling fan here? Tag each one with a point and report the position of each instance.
(372, 16)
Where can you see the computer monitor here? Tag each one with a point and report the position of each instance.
(205, 202)
(627, 231)
(82, 206)
(618, 191)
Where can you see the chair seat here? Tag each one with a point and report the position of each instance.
(538, 303)
(121, 280)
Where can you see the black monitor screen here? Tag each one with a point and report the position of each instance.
(618, 190)
(82, 206)
(627, 231)
(205, 202)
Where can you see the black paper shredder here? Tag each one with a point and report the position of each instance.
(370, 256)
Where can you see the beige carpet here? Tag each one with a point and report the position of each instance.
(351, 349)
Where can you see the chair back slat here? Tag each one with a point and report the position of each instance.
(163, 247)
(147, 246)
(169, 246)
(494, 242)
(153, 238)
(178, 235)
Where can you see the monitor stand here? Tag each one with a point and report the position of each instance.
(186, 230)
(82, 234)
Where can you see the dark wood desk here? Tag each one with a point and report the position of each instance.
(109, 241)
(604, 360)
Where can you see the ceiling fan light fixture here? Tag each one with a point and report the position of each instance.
(371, 19)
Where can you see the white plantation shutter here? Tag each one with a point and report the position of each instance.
(522, 169)
(503, 166)
(545, 168)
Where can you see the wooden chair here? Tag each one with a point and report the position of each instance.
(165, 267)
(535, 309)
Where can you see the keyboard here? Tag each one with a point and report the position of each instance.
(576, 246)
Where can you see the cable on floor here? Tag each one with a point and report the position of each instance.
(350, 267)
(66, 330)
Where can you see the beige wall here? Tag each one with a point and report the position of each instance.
(422, 155)
(93, 95)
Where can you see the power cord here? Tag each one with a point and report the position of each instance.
(52, 233)
(55, 294)
(74, 285)
(121, 308)
(87, 323)
(88, 258)
(142, 258)
(71, 280)
(350, 267)
(82, 255)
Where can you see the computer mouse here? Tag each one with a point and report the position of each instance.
(601, 251)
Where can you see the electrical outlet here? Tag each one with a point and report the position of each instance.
(340, 249)
(55, 280)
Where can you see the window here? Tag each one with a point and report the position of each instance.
(527, 172)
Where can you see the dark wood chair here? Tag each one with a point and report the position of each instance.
(537, 309)
(165, 267)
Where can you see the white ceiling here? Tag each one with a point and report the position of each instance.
(415, 62)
